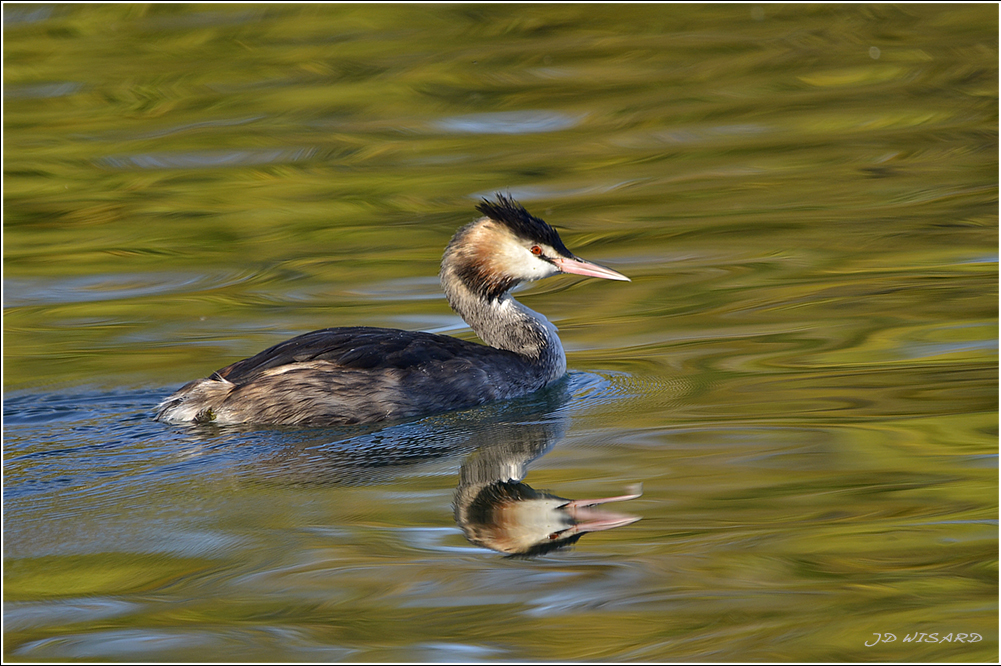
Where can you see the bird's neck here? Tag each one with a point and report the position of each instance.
(505, 323)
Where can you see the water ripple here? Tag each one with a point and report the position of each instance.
(42, 90)
(207, 159)
(25, 291)
(510, 122)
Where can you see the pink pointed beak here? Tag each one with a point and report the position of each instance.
(581, 267)
(588, 519)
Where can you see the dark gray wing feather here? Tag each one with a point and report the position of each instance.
(373, 349)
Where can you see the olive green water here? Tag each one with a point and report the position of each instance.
(803, 372)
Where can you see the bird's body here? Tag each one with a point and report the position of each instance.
(362, 375)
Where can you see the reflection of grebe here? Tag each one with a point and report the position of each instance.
(495, 509)
(363, 375)
(515, 519)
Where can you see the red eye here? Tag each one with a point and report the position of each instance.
(536, 250)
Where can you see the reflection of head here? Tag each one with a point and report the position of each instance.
(496, 510)
(513, 518)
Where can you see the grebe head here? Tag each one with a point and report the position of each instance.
(514, 518)
(508, 246)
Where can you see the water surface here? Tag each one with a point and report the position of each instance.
(803, 373)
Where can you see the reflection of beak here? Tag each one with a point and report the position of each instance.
(588, 519)
(581, 267)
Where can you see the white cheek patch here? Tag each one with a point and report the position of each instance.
(517, 260)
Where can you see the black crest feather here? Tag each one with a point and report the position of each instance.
(513, 215)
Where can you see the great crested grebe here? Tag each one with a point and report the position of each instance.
(359, 374)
